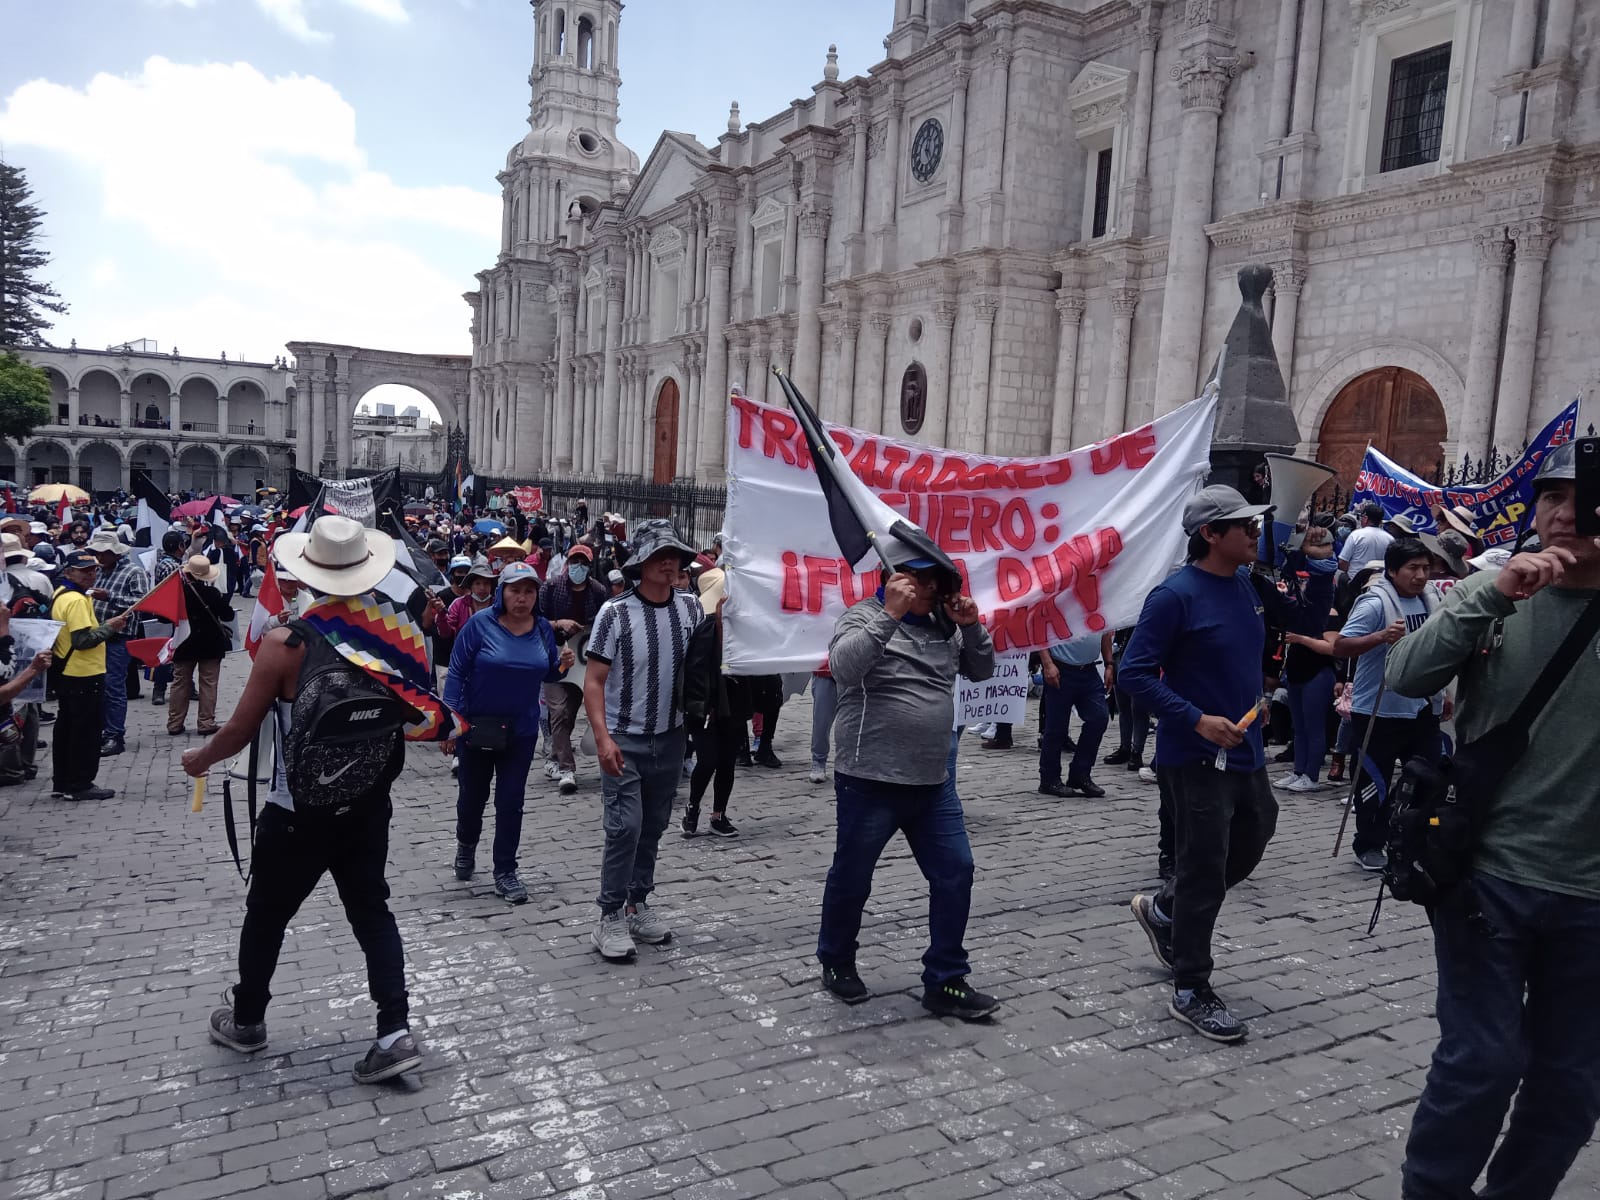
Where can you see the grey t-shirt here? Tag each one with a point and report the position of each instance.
(896, 684)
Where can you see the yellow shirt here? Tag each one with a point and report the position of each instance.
(76, 611)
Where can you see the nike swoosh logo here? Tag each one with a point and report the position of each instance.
(327, 779)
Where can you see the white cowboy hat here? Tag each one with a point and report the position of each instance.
(198, 566)
(339, 557)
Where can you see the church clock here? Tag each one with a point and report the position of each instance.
(927, 148)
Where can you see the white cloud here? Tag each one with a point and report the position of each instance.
(262, 209)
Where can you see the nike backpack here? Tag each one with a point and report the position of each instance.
(343, 728)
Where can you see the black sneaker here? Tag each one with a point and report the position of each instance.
(159, 696)
(1159, 932)
(766, 758)
(1085, 787)
(90, 793)
(111, 746)
(1136, 763)
(46, 718)
(509, 887)
(380, 1064)
(956, 999)
(466, 860)
(691, 822)
(1207, 1015)
(1057, 788)
(844, 983)
(722, 827)
(743, 759)
(246, 1039)
(1118, 757)
(1372, 860)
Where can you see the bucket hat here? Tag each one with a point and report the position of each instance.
(652, 537)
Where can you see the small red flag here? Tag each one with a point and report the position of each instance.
(166, 600)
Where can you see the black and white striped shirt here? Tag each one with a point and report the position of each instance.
(645, 645)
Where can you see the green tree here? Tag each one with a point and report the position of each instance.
(24, 396)
(24, 298)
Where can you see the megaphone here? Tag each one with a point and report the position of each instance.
(1294, 482)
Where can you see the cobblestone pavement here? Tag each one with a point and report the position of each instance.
(714, 1067)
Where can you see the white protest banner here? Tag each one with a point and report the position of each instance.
(1051, 549)
(31, 635)
(1001, 697)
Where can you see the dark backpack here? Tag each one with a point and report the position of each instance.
(344, 728)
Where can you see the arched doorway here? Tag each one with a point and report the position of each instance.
(1392, 409)
(666, 456)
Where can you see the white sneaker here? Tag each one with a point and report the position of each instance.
(647, 925)
(1289, 783)
(818, 775)
(455, 765)
(1147, 775)
(611, 937)
(569, 782)
(1303, 784)
(552, 770)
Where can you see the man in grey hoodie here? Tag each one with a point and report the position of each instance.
(895, 658)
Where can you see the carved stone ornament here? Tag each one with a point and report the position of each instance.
(1534, 238)
(876, 137)
(913, 398)
(1199, 12)
(1203, 79)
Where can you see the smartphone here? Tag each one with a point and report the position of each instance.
(1588, 486)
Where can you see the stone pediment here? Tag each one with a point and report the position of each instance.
(1098, 79)
(676, 164)
(769, 212)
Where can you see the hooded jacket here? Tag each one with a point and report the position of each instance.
(495, 673)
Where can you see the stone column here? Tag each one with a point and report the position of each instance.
(975, 432)
(319, 421)
(125, 408)
(858, 184)
(952, 214)
(845, 384)
(1533, 239)
(875, 407)
(1524, 32)
(1133, 210)
(1283, 56)
(690, 462)
(1558, 30)
(1202, 80)
(341, 435)
(1307, 62)
(1124, 302)
(808, 341)
(701, 235)
(936, 426)
(992, 203)
(610, 414)
(713, 429)
(759, 378)
(1069, 316)
(1488, 309)
(566, 312)
(685, 394)
(1287, 281)
(302, 419)
(889, 196)
(688, 275)
(222, 418)
(791, 249)
(72, 413)
(746, 251)
(592, 416)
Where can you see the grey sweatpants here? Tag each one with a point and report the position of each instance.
(638, 809)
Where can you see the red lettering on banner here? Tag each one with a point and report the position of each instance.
(955, 515)
(747, 414)
(916, 479)
(778, 433)
(1014, 578)
(820, 573)
(790, 597)
(1132, 450)
(1016, 525)
(985, 517)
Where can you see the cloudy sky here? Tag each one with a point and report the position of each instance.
(235, 174)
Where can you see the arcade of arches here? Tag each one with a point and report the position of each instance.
(1393, 410)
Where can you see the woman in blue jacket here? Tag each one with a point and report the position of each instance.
(502, 658)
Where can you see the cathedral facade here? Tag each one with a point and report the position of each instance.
(1020, 232)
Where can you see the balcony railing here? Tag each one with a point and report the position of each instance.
(291, 433)
(248, 429)
(199, 427)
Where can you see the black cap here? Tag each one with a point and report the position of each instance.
(80, 560)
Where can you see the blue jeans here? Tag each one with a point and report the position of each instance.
(869, 814)
(1309, 703)
(638, 808)
(1081, 688)
(509, 770)
(824, 702)
(1516, 983)
(950, 766)
(114, 713)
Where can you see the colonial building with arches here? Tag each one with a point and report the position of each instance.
(202, 424)
(1019, 232)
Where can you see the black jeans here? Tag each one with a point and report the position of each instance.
(75, 748)
(507, 769)
(292, 852)
(1223, 821)
(1394, 740)
(1133, 724)
(716, 748)
(1518, 971)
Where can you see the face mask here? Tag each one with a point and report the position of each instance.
(578, 574)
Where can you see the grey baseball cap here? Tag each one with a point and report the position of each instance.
(1219, 502)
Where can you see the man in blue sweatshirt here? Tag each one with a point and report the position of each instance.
(1195, 661)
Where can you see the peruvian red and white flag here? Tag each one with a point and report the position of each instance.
(167, 602)
(269, 608)
(64, 511)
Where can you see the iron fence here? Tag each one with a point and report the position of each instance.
(695, 510)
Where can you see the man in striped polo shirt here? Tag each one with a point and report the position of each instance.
(632, 696)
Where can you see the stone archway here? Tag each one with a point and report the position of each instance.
(330, 379)
(665, 468)
(1390, 408)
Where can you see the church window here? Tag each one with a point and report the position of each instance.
(771, 275)
(665, 323)
(586, 43)
(611, 45)
(558, 38)
(1415, 117)
(1102, 194)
